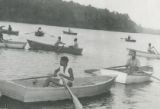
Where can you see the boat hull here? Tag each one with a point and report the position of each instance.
(13, 44)
(70, 33)
(130, 40)
(144, 54)
(124, 78)
(39, 34)
(34, 45)
(25, 91)
(4, 31)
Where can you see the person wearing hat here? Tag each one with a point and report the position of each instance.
(133, 63)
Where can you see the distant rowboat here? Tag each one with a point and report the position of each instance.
(12, 44)
(69, 32)
(144, 54)
(125, 78)
(26, 90)
(5, 31)
(130, 40)
(39, 34)
(35, 45)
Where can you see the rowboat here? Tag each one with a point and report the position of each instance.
(130, 40)
(69, 32)
(123, 77)
(144, 54)
(5, 31)
(34, 45)
(40, 34)
(26, 90)
(12, 44)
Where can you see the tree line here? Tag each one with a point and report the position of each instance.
(67, 14)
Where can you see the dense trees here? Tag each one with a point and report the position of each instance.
(61, 13)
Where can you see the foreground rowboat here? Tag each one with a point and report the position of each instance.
(26, 90)
(34, 45)
(125, 78)
(12, 44)
(5, 31)
(144, 54)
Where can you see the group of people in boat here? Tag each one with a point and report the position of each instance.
(59, 42)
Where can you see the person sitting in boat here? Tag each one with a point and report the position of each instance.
(64, 71)
(133, 63)
(39, 32)
(57, 44)
(151, 48)
(9, 28)
(129, 37)
(1, 37)
(75, 45)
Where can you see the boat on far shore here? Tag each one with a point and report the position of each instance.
(70, 32)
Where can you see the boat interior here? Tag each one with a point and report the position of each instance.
(85, 81)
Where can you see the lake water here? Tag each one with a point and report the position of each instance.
(101, 49)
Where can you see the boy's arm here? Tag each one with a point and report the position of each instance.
(71, 77)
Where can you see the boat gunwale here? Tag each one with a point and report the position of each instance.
(84, 86)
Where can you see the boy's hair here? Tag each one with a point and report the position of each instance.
(65, 58)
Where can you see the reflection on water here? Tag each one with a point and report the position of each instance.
(101, 49)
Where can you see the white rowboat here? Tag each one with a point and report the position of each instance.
(26, 90)
(144, 54)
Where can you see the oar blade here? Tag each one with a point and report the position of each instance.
(91, 70)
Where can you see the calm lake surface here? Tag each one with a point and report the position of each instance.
(101, 49)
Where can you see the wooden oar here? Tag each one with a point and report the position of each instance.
(156, 50)
(50, 34)
(93, 70)
(36, 77)
(30, 32)
(76, 102)
(149, 74)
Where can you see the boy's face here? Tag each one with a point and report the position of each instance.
(63, 63)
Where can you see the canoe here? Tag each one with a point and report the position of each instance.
(26, 90)
(5, 31)
(125, 78)
(39, 34)
(130, 40)
(34, 45)
(144, 54)
(12, 44)
(69, 32)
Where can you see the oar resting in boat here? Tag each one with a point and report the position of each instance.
(76, 102)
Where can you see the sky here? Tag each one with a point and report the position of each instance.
(144, 12)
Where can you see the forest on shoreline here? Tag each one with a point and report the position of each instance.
(67, 14)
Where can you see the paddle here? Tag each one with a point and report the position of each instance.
(76, 102)
(93, 70)
(50, 34)
(156, 50)
(36, 77)
(30, 32)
